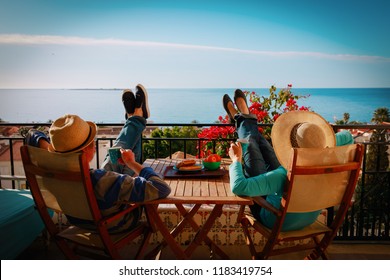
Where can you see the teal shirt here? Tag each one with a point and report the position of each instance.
(272, 184)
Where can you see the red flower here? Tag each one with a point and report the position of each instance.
(255, 106)
(291, 105)
(303, 108)
(266, 109)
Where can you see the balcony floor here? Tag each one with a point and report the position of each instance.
(336, 251)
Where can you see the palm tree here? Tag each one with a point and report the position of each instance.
(345, 119)
(373, 197)
(381, 115)
(377, 157)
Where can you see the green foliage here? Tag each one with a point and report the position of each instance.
(373, 192)
(162, 148)
(345, 120)
(269, 108)
(216, 138)
(381, 115)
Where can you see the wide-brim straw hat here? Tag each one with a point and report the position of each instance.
(300, 129)
(71, 133)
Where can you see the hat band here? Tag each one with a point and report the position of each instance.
(293, 135)
(81, 145)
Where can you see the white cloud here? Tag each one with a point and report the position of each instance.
(23, 39)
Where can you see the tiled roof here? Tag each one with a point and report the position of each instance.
(5, 151)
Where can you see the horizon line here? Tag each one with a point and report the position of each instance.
(25, 39)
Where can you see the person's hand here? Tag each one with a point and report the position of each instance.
(127, 158)
(235, 152)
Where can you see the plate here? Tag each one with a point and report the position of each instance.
(188, 171)
(170, 172)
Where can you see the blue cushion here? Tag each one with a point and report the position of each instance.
(20, 223)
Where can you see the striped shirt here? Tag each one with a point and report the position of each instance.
(114, 191)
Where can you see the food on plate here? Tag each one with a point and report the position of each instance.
(186, 163)
(191, 168)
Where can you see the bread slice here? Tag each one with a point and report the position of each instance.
(186, 163)
(190, 168)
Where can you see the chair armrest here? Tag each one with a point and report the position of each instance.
(120, 214)
(265, 204)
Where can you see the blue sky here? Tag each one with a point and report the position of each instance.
(117, 44)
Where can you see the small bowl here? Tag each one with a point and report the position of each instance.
(211, 165)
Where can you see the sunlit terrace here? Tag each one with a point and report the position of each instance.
(365, 233)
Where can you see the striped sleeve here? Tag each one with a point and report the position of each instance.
(111, 187)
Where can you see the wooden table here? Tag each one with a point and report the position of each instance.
(191, 190)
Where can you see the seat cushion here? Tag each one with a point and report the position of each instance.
(20, 223)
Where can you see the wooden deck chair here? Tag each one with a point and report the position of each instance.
(317, 179)
(62, 182)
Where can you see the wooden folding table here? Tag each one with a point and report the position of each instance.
(197, 189)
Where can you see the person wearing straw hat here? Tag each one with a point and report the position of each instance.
(127, 180)
(259, 169)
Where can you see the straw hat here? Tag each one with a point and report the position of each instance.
(300, 129)
(71, 133)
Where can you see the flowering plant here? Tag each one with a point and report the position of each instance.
(215, 133)
(266, 109)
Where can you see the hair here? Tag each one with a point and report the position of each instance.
(90, 150)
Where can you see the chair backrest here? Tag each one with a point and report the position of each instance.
(322, 178)
(60, 181)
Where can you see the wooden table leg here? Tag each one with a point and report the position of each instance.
(202, 233)
(206, 239)
(187, 217)
(169, 239)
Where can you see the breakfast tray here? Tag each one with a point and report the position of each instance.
(169, 172)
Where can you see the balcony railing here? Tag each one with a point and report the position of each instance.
(368, 218)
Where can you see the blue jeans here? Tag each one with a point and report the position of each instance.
(128, 138)
(259, 157)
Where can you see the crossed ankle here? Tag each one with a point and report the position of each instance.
(138, 112)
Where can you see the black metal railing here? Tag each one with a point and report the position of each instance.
(368, 218)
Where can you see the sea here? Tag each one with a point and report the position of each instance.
(177, 105)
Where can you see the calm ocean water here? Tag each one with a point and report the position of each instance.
(176, 105)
